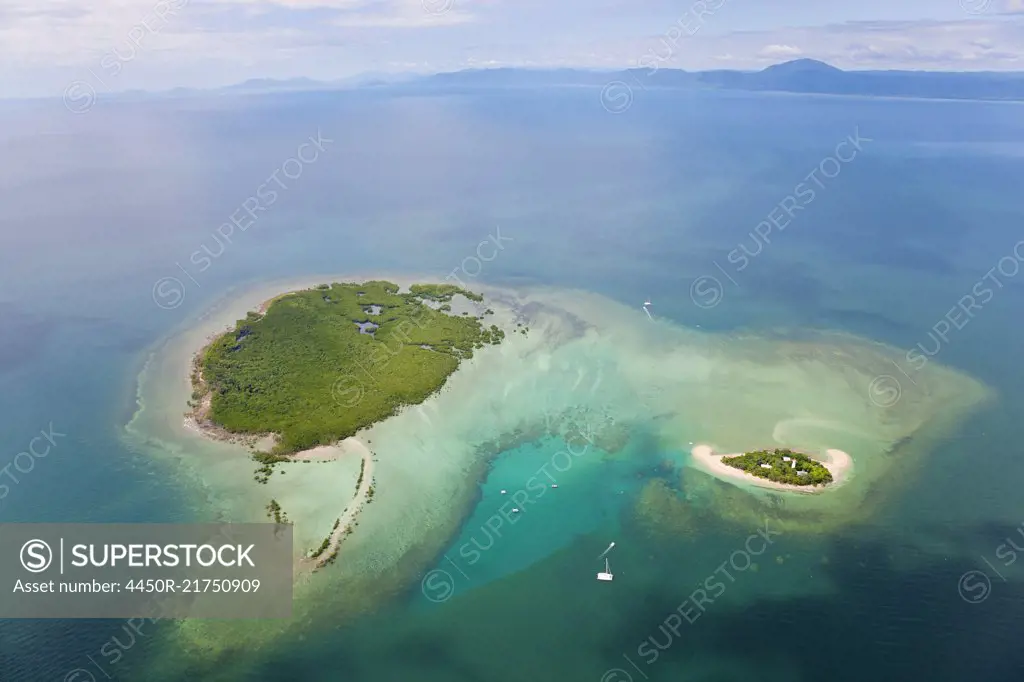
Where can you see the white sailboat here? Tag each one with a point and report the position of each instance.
(607, 575)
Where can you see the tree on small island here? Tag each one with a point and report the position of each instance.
(781, 469)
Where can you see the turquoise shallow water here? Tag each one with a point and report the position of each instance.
(593, 492)
(634, 207)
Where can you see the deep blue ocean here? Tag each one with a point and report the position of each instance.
(97, 209)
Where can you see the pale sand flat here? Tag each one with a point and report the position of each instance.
(351, 446)
(321, 453)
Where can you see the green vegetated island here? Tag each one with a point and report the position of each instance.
(782, 466)
(321, 364)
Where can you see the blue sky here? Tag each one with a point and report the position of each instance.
(161, 44)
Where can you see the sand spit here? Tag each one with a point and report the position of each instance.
(300, 505)
(343, 527)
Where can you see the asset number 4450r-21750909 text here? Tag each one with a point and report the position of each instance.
(193, 585)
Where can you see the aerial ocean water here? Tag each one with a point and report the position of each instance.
(840, 323)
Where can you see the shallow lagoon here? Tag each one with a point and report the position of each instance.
(597, 399)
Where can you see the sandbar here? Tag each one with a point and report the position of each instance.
(343, 526)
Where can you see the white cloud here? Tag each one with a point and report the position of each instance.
(975, 43)
(45, 44)
(774, 51)
(400, 13)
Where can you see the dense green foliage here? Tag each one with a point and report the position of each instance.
(781, 471)
(442, 292)
(266, 461)
(305, 371)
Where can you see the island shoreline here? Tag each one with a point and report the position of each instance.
(197, 417)
(197, 420)
(839, 465)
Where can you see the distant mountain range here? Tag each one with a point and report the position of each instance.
(255, 86)
(799, 76)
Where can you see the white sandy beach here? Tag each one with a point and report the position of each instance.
(705, 458)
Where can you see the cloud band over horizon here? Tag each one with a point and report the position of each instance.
(162, 44)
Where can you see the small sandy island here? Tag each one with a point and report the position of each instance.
(706, 459)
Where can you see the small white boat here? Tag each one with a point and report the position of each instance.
(503, 492)
(554, 485)
(607, 575)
